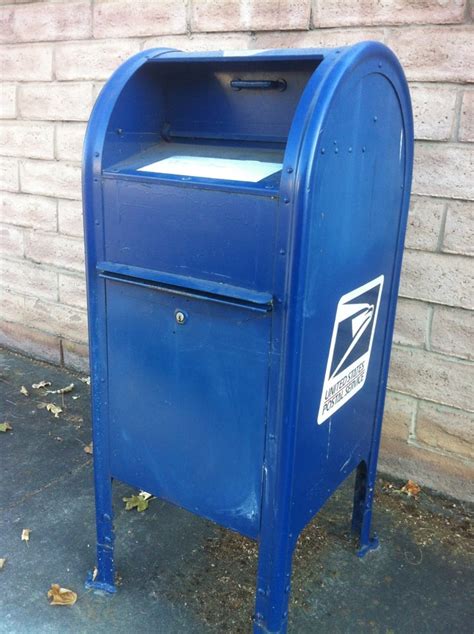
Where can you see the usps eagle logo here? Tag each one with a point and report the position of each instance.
(350, 348)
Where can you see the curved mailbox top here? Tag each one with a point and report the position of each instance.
(265, 98)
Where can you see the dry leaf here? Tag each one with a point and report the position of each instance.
(54, 409)
(5, 427)
(411, 488)
(23, 390)
(37, 386)
(140, 501)
(51, 407)
(61, 596)
(62, 390)
(25, 534)
(86, 379)
(89, 448)
(2, 562)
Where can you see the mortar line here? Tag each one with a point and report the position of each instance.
(429, 327)
(442, 228)
(457, 114)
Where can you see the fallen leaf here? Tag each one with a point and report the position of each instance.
(95, 572)
(140, 501)
(23, 390)
(2, 562)
(38, 386)
(76, 396)
(89, 448)
(54, 409)
(86, 379)
(51, 407)
(5, 427)
(25, 534)
(62, 390)
(411, 488)
(58, 438)
(61, 596)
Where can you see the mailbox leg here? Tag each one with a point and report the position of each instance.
(104, 577)
(362, 513)
(273, 587)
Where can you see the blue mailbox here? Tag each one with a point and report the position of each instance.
(245, 216)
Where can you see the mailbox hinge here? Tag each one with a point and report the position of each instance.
(189, 286)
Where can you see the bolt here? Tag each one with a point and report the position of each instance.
(289, 170)
(180, 317)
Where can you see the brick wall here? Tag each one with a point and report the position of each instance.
(54, 58)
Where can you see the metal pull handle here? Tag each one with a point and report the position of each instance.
(258, 84)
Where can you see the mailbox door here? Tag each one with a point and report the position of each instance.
(187, 402)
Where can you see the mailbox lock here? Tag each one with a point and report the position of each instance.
(180, 317)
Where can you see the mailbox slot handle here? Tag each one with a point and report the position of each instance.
(189, 287)
(258, 84)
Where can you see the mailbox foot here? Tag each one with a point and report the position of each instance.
(372, 544)
(94, 584)
(259, 627)
(362, 512)
(103, 577)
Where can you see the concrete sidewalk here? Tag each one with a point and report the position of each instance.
(179, 573)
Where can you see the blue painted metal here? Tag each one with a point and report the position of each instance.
(169, 282)
(255, 407)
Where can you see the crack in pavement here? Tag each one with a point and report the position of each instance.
(28, 496)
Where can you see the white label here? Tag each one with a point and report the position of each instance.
(351, 345)
(217, 168)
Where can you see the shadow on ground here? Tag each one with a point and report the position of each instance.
(179, 573)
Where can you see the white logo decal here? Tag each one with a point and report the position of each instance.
(351, 344)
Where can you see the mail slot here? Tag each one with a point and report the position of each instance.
(245, 216)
